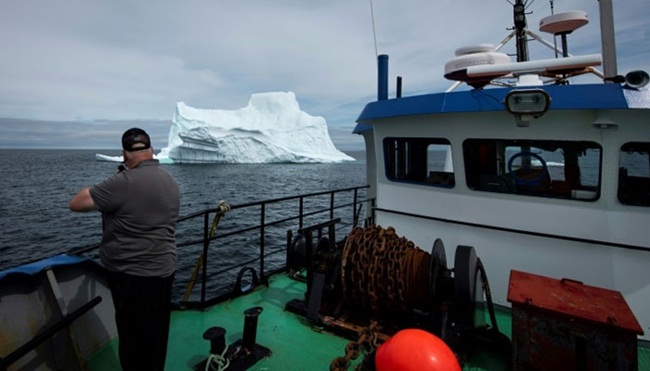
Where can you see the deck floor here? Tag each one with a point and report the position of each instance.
(287, 332)
(295, 346)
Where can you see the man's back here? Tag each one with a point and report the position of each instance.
(139, 207)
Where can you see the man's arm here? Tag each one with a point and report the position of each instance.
(82, 201)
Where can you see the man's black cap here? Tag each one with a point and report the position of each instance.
(135, 139)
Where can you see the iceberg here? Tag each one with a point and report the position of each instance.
(107, 158)
(270, 129)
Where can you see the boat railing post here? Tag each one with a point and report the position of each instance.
(262, 238)
(310, 261)
(206, 243)
(300, 211)
(355, 215)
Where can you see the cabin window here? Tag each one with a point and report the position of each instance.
(634, 174)
(542, 168)
(419, 160)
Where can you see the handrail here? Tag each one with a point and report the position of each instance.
(261, 226)
(248, 229)
(272, 201)
(85, 249)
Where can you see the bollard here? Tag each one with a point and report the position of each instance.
(250, 327)
(217, 338)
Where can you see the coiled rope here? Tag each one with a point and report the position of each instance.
(217, 362)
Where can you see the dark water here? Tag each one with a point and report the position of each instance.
(36, 186)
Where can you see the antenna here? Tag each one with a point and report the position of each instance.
(374, 33)
(554, 38)
(478, 67)
(519, 15)
(563, 24)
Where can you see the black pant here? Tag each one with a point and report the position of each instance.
(142, 313)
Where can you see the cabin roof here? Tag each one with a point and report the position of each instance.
(563, 97)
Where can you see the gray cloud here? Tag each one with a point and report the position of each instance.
(76, 62)
(104, 134)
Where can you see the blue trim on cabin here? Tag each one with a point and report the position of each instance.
(41, 265)
(563, 97)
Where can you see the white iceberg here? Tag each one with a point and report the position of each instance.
(270, 129)
(107, 158)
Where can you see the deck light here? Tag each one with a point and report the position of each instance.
(603, 121)
(527, 104)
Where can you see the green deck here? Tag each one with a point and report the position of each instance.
(295, 345)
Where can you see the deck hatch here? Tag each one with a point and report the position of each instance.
(564, 324)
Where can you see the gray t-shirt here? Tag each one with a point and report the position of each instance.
(139, 207)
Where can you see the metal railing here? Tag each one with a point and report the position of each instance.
(271, 223)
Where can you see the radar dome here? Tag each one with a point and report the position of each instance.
(474, 55)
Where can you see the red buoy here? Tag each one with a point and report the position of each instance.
(415, 350)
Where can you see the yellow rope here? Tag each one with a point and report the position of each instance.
(223, 209)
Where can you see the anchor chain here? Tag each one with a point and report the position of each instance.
(367, 341)
(383, 272)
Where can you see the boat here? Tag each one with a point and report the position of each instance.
(507, 220)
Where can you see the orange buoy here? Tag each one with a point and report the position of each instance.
(415, 350)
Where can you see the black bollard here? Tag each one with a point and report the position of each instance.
(217, 338)
(250, 327)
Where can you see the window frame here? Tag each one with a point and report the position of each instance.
(633, 188)
(489, 168)
(407, 160)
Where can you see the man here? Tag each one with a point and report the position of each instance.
(139, 206)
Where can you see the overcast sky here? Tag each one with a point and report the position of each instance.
(77, 73)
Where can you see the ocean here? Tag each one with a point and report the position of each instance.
(37, 185)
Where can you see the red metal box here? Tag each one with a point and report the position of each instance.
(566, 325)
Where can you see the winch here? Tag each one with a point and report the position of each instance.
(375, 275)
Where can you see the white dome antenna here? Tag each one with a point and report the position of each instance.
(475, 55)
(563, 24)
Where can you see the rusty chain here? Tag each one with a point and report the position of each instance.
(367, 341)
(383, 272)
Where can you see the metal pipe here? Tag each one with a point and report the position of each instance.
(204, 272)
(519, 15)
(382, 88)
(608, 42)
(399, 87)
(262, 243)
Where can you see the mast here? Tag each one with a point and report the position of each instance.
(519, 13)
(608, 43)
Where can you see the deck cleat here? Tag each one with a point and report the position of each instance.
(240, 355)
